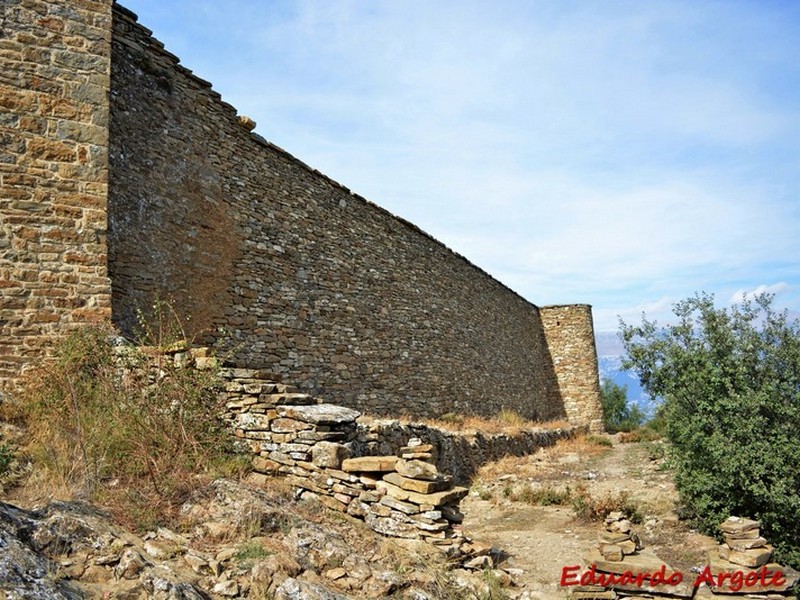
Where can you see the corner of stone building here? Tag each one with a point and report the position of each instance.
(569, 332)
(54, 114)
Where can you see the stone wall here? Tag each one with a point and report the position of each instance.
(287, 270)
(402, 480)
(275, 264)
(570, 337)
(54, 81)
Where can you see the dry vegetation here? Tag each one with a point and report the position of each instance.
(507, 422)
(107, 424)
(535, 481)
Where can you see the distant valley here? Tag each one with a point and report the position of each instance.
(609, 355)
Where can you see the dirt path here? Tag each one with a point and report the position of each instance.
(540, 540)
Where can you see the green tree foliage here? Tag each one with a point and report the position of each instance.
(618, 415)
(730, 380)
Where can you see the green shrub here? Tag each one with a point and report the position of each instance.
(730, 380)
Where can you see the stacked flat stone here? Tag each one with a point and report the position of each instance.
(312, 444)
(743, 543)
(408, 498)
(745, 551)
(618, 540)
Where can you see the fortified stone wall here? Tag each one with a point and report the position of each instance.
(54, 79)
(289, 271)
(276, 265)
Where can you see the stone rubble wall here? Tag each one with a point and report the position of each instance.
(54, 112)
(286, 270)
(127, 180)
(401, 479)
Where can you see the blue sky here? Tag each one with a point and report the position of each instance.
(624, 154)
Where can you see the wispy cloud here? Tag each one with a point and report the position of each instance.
(774, 289)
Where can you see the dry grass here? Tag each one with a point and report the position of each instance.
(535, 464)
(507, 422)
(583, 445)
(137, 442)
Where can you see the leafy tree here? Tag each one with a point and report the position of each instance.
(618, 415)
(730, 380)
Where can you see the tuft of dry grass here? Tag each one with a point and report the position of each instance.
(508, 422)
(583, 445)
(137, 440)
(535, 465)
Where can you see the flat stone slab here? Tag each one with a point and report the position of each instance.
(644, 563)
(320, 414)
(719, 565)
(416, 485)
(369, 464)
(736, 525)
(754, 557)
(417, 469)
(434, 499)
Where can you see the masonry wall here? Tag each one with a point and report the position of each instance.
(570, 336)
(54, 80)
(289, 271)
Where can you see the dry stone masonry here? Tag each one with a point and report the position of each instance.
(54, 79)
(323, 451)
(618, 540)
(127, 180)
(745, 551)
(740, 567)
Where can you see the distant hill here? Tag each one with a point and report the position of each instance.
(609, 356)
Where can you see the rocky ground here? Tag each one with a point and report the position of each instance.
(541, 540)
(235, 540)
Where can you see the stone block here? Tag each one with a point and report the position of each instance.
(370, 464)
(329, 454)
(320, 414)
(404, 507)
(416, 469)
(252, 422)
(754, 557)
(744, 544)
(765, 573)
(265, 465)
(738, 525)
(434, 500)
(418, 485)
(284, 425)
(612, 552)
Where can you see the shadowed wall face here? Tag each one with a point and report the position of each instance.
(287, 270)
(54, 80)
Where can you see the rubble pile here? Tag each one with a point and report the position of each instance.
(313, 445)
(618, 539)
(745, 560)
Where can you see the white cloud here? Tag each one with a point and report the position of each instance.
(775, 289)
(604, 153)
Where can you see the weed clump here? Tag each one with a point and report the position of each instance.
(588, 508)
(135, 433)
